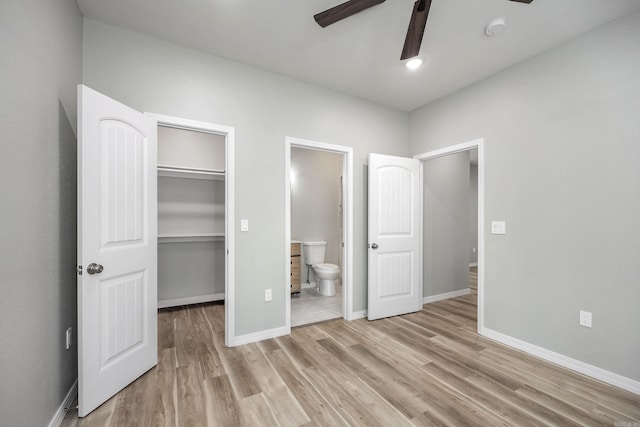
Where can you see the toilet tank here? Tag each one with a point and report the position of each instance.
(313, 252)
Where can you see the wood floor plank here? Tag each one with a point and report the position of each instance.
(185, 340)
(295, 351)
(220, 404)
(354, 412)
(286, 408)
(166, 330)
(503, 410)
(577, 415)
(314, 403)
(163, 397)
(426, 368)
(255, 411)
(268, 345)
(190, 392)
(242, 379)
(381, 342)
(339, 332)
(215, 316)
(379, 409)
(264, 373)
(433, 399)
(402, 394)
(546, 415)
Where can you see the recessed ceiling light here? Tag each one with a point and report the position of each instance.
(413, 63)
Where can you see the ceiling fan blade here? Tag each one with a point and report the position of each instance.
(523, 1)
(416, 29)
(344, 10)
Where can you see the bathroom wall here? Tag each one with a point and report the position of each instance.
(315, 200)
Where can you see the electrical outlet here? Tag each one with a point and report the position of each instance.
(586, 317)
(267, 295)
(69, 338)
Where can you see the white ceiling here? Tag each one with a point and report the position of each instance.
(360, 55)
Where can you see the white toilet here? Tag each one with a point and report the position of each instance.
(326, 274)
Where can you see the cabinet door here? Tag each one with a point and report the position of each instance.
(295, 267)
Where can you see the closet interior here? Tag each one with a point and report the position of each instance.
(191, 216)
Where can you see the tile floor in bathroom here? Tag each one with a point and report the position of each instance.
(311, 307)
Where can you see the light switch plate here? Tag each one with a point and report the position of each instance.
(498, 227)
(244, 225)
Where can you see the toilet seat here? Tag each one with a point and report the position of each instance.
(327, 268)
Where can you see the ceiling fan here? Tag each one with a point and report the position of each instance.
(416, 25)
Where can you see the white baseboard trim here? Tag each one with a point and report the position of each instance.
(64, 407)
(560, 359)
(473, 264)
(447, 295)
(176, 302)
(358, 315)
(258, 336)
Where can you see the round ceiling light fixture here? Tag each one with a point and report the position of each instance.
(495, 27)
(414, 63)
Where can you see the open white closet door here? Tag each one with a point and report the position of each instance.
(395, 265)
(117, 247)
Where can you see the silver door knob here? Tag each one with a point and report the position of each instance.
(94, 268)
(374, 246)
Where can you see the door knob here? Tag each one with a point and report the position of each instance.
(94, 268)
(373, 246)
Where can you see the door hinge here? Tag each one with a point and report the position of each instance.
(79, 270)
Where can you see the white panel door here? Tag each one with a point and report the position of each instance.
(117, 247)
(395, 264)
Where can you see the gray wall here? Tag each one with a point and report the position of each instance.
(40, 65)
(446, 224)
(155, 76)
(473, 214)
(562, 152)
(315, 200)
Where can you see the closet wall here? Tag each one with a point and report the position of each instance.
(191, 222)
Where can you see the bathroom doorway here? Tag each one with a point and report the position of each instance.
(318, 206)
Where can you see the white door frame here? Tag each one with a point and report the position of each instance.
(229, 209)
(467, 146)
(347, 221)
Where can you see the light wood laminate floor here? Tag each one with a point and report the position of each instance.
(427, 368)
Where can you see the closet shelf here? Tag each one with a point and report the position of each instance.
(187, 238)
(193, 173)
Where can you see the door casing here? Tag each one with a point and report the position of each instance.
(347, 221)
(229, 208)
(467, 146)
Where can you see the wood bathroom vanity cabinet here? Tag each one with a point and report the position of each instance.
(296, 251)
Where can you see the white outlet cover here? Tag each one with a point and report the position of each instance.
(586, 318)
(244, 225)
